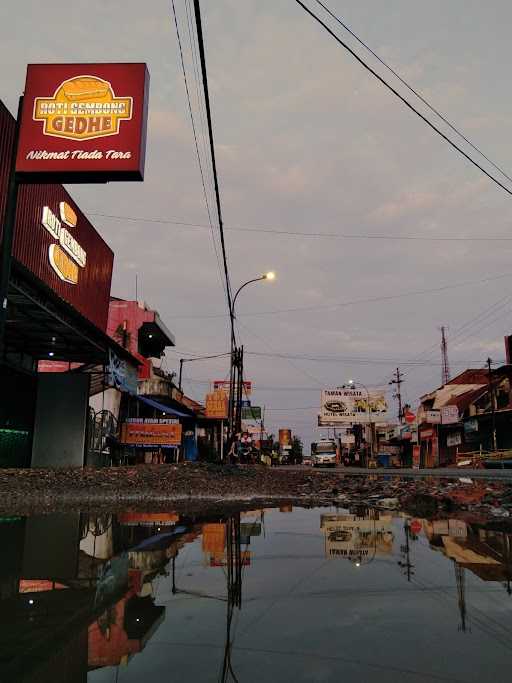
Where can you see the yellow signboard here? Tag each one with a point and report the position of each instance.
(217, 405)
(82, 108)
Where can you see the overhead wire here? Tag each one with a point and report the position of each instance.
(411, 89)
(401, 97)
(194, 132)
(354, 302)
(295, 233)
(202, 59)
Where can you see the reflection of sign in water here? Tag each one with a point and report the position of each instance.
(351, 536)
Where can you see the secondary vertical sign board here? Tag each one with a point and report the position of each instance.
(83, 123)
(217, 405)
(416, 450)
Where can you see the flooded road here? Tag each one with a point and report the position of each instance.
(277, 595)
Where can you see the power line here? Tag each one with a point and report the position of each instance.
(401, 98)
(200, 41)
(194, 132)
(296, 233)
(411, 89)
(354, 302)
(354, 360)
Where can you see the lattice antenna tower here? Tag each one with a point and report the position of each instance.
(444, 356)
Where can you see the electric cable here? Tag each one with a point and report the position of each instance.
(202, 58)
(402, 98)
(354, 302)
(295, 233)
(195, 138)
(411, 89)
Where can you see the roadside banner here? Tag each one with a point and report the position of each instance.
(216, 405)
(151, 432)
(449, 415)
(251, 413)
(352, 405)
(224, 384)
(433, 417)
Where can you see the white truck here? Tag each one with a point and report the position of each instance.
(323, 453)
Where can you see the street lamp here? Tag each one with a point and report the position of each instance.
(352, 383)
(267, 276)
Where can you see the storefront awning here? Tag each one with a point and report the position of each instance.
(162, 407)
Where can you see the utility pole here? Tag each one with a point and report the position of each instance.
(493, 406)
(397, 380)
(407, 566)
(6, 245)
(444, 357)
(239, 389)
(461, 594)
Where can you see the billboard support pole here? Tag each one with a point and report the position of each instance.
(8, 233)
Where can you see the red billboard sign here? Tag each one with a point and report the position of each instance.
(83, 123)
(55, 241)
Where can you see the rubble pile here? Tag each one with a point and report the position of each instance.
(199, 483)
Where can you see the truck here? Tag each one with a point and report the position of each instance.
(324, 453)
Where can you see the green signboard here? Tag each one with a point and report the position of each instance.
(251, 413)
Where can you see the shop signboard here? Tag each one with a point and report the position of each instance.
(433, 417)
(449, 415)
(251, 413)
(151, 432)
(83, 123)
(55, 241)
(216, 405)
(224, 384)
(352, 405)
(454, 439)
(348, 439)
(285, 437)
(471, 425)
(409, 416)
(426, 433)
(121, 374)
(414, 433)
(416, 450)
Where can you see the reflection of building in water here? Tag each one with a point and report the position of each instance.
(483, 551)
(356, 537)
(76, 591)
(123, 629)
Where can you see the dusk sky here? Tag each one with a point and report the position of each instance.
(307, 142)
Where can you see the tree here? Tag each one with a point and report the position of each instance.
(296, 452)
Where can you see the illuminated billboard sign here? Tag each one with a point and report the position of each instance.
(83, 123)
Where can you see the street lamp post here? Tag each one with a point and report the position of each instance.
(237, 362)
(368, 411)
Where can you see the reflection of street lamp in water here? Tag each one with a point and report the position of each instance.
(371, 513)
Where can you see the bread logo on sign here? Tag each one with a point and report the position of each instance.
(67, 256)
(82, 108)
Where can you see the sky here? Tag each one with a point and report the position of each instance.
(306, 141)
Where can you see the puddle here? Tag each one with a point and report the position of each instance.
(277, 595)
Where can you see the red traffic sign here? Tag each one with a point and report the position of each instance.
(415, 526)
(409, 416)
